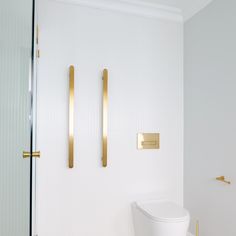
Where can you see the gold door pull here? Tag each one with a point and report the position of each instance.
(71, 116)
(28, 154)
(222, 179)
(104, 117)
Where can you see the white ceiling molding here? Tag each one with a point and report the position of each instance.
(136, 7)
(193, 9)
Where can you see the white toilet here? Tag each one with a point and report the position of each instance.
(160, 218)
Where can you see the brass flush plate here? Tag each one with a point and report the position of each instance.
(148, 141)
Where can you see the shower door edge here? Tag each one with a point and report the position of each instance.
(33, 124)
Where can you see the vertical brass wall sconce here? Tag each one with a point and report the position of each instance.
(71, 116)
(104, 117)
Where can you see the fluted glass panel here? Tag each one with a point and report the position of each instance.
(15, 58)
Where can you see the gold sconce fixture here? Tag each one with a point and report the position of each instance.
(148, 141)
(28, 154)
(222, 179)
(71, 116)
(104, 117)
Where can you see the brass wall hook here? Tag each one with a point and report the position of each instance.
(222, 179)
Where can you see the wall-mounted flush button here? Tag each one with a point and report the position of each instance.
(148, 141)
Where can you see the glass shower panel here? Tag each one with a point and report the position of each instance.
(15, 108)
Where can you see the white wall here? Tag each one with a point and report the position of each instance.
(144, 59)
(210, 114)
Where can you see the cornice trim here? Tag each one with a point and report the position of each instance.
(135, 7)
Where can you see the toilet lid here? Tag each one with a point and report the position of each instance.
(164, 211)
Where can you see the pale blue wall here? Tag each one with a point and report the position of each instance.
(15, 54)
(210, 118)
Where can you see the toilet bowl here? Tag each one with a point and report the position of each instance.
(160, 218)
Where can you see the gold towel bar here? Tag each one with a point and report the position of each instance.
(197, 228)
(71, 116)
(104, 117)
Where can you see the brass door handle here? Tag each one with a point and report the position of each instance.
(71, 116)
(222, 179)
(28, 154)
(104, 117)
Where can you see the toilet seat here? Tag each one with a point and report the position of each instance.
(163, 211)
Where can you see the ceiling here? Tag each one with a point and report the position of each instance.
(188, 7)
